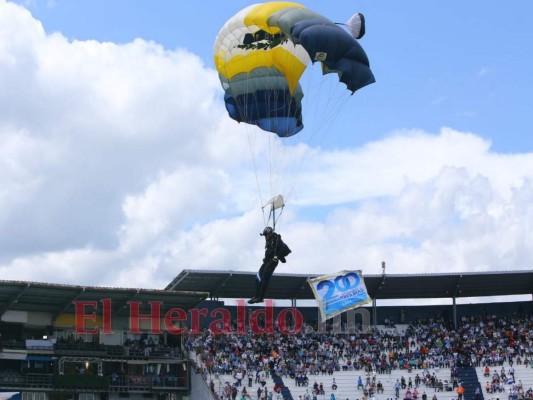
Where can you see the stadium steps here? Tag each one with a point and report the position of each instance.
(347, 384)
(468, 378)
(388, 381)
(523, 375)
(285, 391)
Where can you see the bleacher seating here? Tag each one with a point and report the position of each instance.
(522, 374)
(347, 377)
(347, 384)
(221, 381)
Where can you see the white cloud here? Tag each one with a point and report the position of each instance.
(119, 166)
(173, 200)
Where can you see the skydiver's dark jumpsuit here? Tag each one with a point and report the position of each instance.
(275, 249)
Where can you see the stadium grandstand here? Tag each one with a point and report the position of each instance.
(198, 339)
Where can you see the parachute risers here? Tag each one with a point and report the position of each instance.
(275, 203)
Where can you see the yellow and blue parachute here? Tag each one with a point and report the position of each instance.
(262, 51)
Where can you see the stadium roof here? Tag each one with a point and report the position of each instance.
(235, 284)
(58, 299)
(190, 287)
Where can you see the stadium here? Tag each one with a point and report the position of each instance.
(139, 137)
(99, 343)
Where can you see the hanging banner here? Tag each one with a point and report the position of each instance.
(336, 293)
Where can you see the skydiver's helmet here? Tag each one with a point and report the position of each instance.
(267, 231)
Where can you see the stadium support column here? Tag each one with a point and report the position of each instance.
(454, 313)
(374, 313)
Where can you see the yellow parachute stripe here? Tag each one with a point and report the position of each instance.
(277, 57)
(259, 15)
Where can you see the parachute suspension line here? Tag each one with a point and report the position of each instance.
(276, 145)
(321, 110)
(254, 163)
(243, 106)
(275, 172)
(279, 215)
(280, 165)
(273, 150)
(253, 139)
(272, 213)
(267, 153)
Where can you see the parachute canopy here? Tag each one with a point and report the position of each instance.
(262, 51)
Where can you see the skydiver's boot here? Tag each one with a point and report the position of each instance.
(261, 296)
(258, 282)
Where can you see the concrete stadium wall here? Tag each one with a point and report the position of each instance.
(199, 388)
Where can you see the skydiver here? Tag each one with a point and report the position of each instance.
(275, 250)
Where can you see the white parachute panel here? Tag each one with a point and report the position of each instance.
(356, 25)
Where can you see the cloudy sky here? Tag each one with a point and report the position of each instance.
(120, 167)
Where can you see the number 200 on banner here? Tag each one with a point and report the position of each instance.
(336, 293)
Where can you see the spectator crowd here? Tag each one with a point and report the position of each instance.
(246, 361)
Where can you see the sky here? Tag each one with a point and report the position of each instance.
(120, 167)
